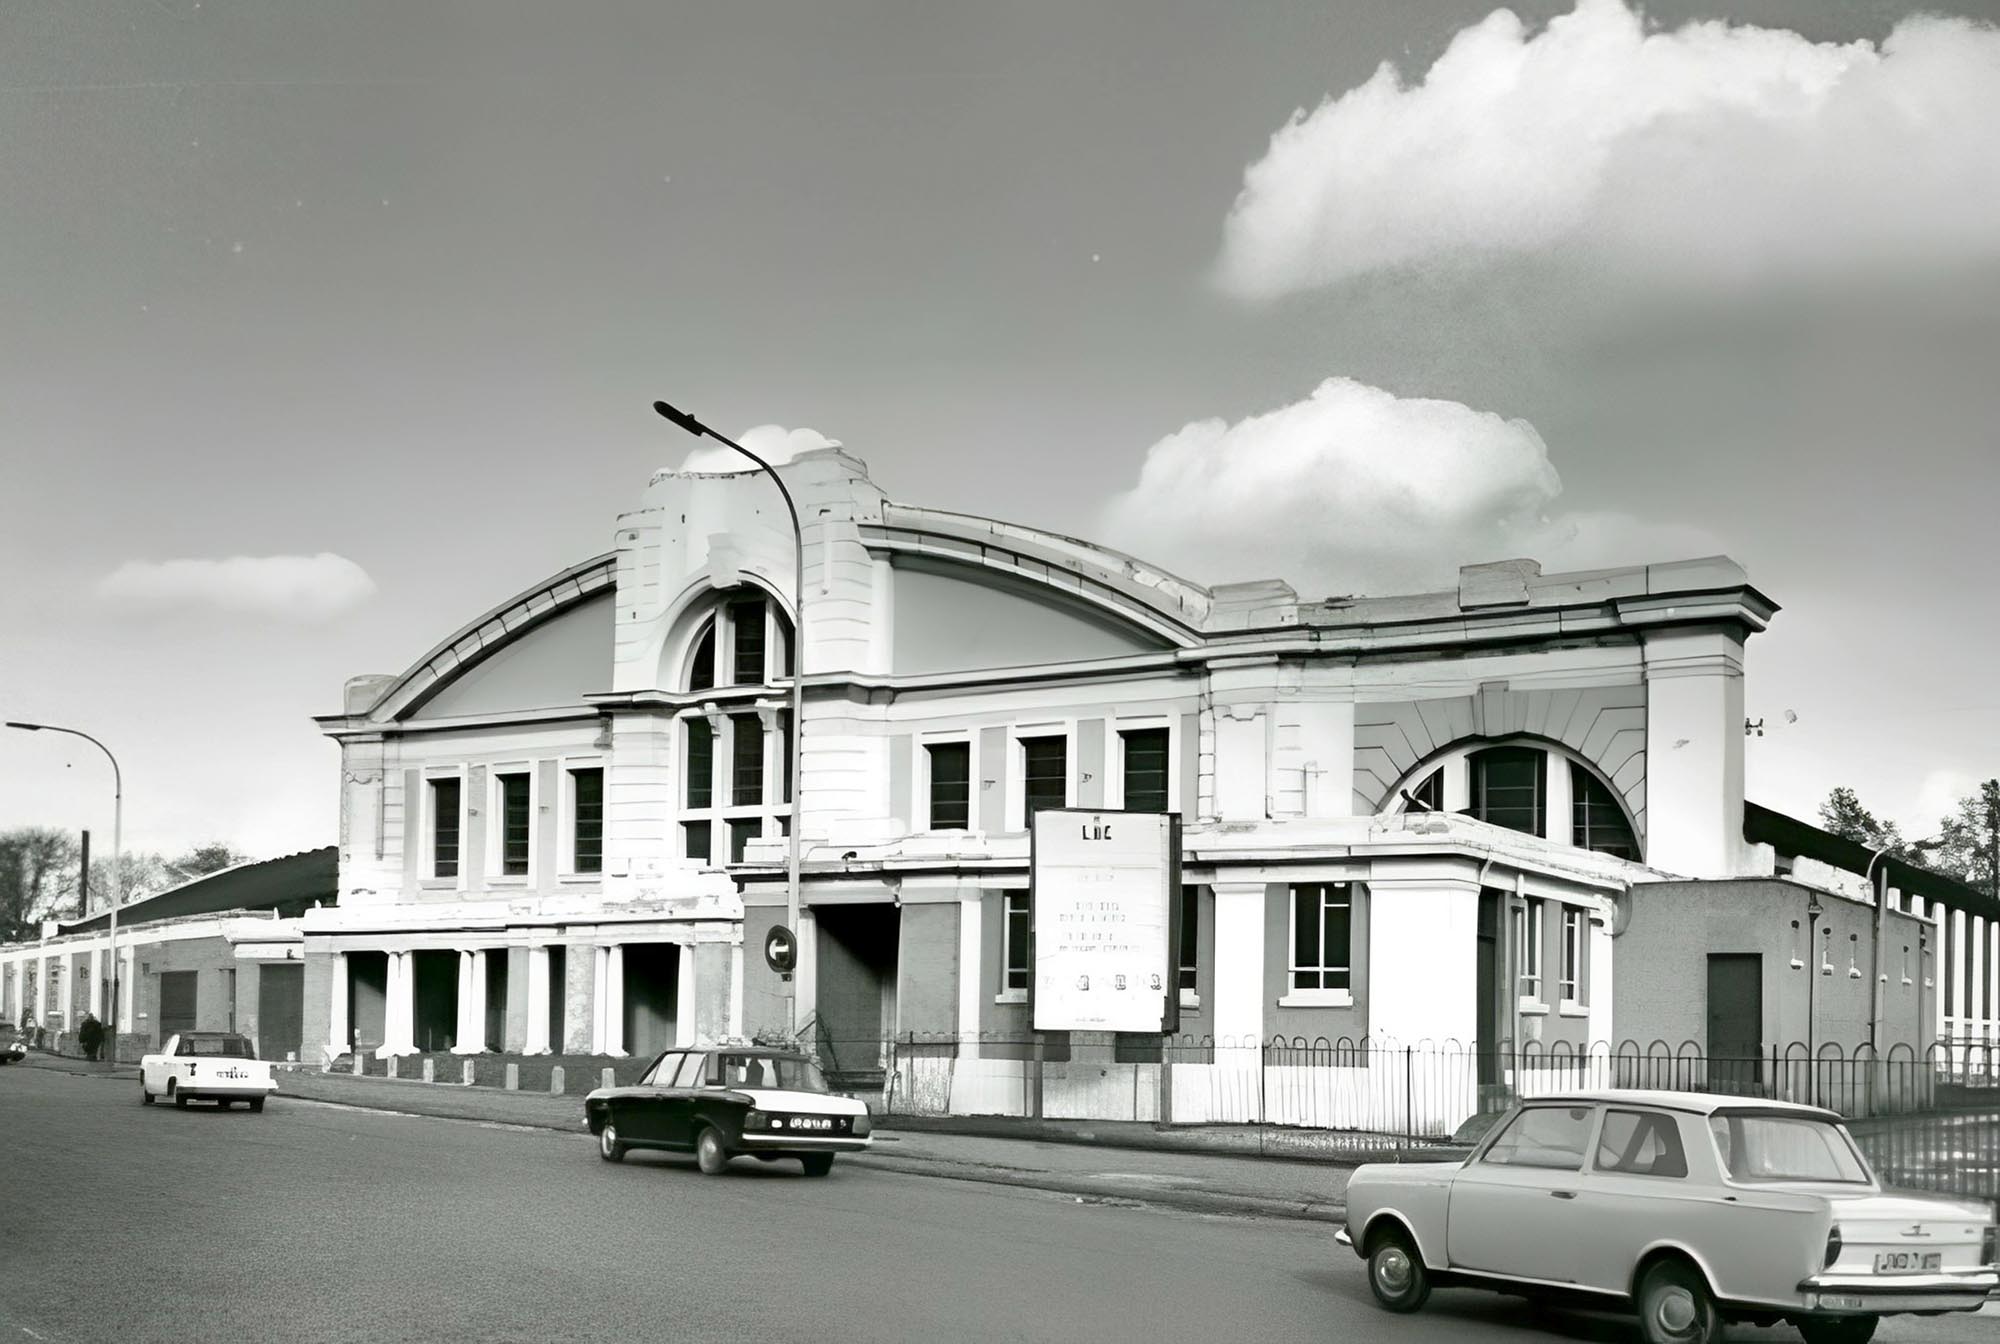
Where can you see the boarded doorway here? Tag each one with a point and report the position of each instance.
(855, 993)
(436, 998)
(281, 1010)
(652, 996)
(1735, 1020)
(177, 1002)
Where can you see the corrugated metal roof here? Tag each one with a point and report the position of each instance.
(290, 886)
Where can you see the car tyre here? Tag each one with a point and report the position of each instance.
(256, 1105)
(709, 1153)
(1839, 1329)
(179, 1097)
(608, 1146)
(1396, 1274)
(1676, 1307)
(817, 1164)
(145, 1095)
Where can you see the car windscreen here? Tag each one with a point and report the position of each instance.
(220, 1046)
(772, 1071)
(1785, 1148)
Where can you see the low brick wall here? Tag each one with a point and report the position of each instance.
(581, 1073)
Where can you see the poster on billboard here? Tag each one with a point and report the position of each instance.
(1102, 887)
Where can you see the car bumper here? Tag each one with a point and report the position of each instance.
(807, 1143)
(1868, 1294)
(1341, 1238)
(217, 1091)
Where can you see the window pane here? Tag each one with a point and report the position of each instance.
(701, 668)
(1507, 787)
(1429, 795)
(786, 748)
(1145, 769)
(1596, 820)
(1016, 938)
(1305, 928)
(694, 840)
(1641, 1143)
(741, 833)
(746, 624)
(700, 790)
(444, 827)
(1190, 936)
(587, 792)
(746, 732)
(1334, 937)
(514, 825)
(1045, 762)
(1544, 1136)
(951, 785)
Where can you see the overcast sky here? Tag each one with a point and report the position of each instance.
(325, 328)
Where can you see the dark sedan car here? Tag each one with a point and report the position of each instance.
(730, 1102)
(13, 1049)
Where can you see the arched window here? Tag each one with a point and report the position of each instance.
(1530, 786)
(1597, 821)
(745, 641)
(735, 754)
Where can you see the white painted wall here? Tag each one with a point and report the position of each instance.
(1694, 758)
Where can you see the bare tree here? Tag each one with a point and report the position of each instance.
(38, 880)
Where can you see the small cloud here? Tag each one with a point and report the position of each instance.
(296, 587)
(1710, 152)
(1359, 490)
(773, 443)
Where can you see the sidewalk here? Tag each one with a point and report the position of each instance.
(1086, 1168)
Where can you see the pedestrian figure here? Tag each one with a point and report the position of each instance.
(90, 1036)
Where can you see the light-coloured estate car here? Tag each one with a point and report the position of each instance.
(1692, 1209)
(217, 1066)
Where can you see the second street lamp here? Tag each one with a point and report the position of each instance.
(793, 773)
(117, 875)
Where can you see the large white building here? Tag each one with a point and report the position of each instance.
(1405, 819)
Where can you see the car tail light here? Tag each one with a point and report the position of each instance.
(1989, 1245)
(756, 1119)
(1832, 1247)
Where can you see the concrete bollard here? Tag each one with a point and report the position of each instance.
(610, 1078)
(556, 1080)
(430, 1070)
(358, 1057)
(392, 1066)
(513, 1082)
(468, 1073)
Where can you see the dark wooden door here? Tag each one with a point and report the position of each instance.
(281, 1010)
(1735, 1020)
(177, 1002)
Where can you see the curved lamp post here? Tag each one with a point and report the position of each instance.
(117, 875)
(699, 430)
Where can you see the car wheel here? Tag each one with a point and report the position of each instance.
(223, 1103)
(1675, 1306)
(179, 1097)
(817, 1164)
(710, 1154)
(1396, 1274)
(608, 1146)
(256, 1105)
(1838, 1329)
(145, 1095)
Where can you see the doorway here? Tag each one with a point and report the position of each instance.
(281, 1007)
(435, 996)
(1486, 989)
(177, 1002)
(1735, 1020)
(652, 997)
(855, 994)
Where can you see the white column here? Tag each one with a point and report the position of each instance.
(805, 976)
(466, 1034)
(614, 999)
(1960, 990)
(399, 1008)
(1694, 756)
(1975, 1009)
(97, 982)
(480, 968)
(971, 971)
(1602, 1027)
(338, 1038)
(1558, 822)
(734, 1026)
(599, 969)
(128, 987)
(1423, 939)
(537, 1042)
(1239, 964)
(686, 1005)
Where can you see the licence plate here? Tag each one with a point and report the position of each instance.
(1908, 1262)
(815, 1124)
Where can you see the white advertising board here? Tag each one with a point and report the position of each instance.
(1103, 912)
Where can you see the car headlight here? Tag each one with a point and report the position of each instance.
(756, 1119)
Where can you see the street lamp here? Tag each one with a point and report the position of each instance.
(117, 875)
(698, 429)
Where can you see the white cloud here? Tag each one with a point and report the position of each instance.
(773, 443)
(1363, 491)
(1710, 152)
(296, 587)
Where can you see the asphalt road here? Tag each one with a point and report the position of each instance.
(308, 1222)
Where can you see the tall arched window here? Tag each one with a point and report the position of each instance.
(735, 752)
(1533, 787)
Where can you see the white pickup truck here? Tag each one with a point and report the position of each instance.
(217, 1066)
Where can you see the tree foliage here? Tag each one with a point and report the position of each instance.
(1963, 845)
(38, 880)
(1843, 814)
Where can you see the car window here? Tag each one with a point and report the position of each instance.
(690, 1074)
(1641, 1143)
(663, 1070)
(1785, 1148)
(216, 1047)
(1543, 1136)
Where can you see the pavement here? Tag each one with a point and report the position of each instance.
(314, 1221)
(1067, 1164)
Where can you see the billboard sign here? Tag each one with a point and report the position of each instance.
(1102, 887)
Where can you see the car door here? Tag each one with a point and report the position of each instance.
(1636, 1193)
(153, 1068)
(1511, 1211)
(640, 1111)
(677, 1100)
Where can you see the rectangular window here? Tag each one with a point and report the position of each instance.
(1044, 773)
(700, 763)
(1015, 966)
(514, 825)
(786, 749)
(746, 760)
(1145, 769)
(1507, 787)
(444, 827)
(695, 840)
(1322, 926)
(1528, 947)
(1570, 983)
(951, 785)
(741, 833)
(586, 791)
(1190, 939)
(746, 622)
